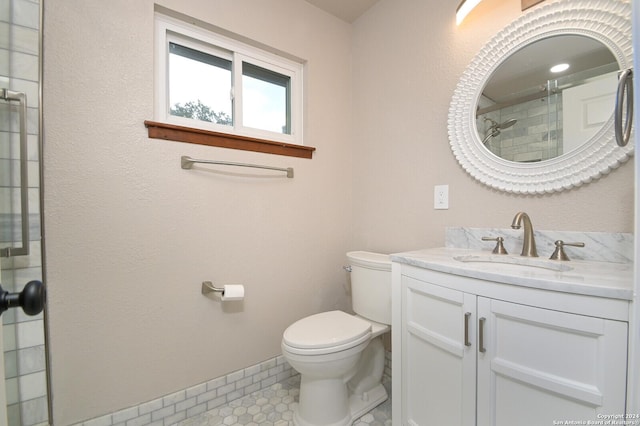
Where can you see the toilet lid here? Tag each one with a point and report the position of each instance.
(325, 330)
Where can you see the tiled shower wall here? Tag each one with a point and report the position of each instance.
(24, 351)
(536, 136)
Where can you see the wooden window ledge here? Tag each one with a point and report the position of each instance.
(172, 132)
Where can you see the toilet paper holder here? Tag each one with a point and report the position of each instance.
(227, 293)
(208, 287)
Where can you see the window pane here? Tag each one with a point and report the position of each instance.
(266, 101)
(199, 85)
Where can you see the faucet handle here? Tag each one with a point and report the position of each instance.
(499, 249)
(559, 253)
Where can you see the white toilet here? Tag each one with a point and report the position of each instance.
(340, 357)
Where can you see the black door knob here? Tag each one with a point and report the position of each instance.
(32, 298)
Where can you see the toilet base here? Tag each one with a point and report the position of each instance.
(359, 405)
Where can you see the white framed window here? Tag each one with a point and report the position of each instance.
(209, 81)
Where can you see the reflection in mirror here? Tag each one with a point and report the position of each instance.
(600, 22)
(528, 113)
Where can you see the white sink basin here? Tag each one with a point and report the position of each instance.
(532, 262)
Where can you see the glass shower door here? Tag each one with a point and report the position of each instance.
(21, 261)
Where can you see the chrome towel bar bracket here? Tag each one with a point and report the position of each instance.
(188, 162)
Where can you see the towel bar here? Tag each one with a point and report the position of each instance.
(8, 95)
(188, 162)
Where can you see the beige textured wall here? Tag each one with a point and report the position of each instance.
(408, 57)
(130, 235)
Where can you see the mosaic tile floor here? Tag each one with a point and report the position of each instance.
(274, 407)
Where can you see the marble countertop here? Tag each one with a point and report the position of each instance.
(593, 278)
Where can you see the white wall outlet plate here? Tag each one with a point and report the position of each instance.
(441, 197)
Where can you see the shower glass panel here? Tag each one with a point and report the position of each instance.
(24, 336)
(553, 146)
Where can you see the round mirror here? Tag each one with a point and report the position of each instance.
(533, 113)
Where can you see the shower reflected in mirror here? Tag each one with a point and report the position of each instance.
(495, 128)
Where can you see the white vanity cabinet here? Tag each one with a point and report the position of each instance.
(474, 352)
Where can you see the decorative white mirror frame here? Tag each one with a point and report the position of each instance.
(608, 21)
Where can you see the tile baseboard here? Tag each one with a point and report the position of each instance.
(178, 406)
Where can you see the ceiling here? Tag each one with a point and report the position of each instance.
(527, 71)
(347, 10)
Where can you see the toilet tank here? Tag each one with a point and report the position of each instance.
(371, 285)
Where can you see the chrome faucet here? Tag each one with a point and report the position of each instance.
(529, 244)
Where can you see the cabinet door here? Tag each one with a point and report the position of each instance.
(542, 366)
(438, 368)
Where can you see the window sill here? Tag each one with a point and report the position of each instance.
(206, 137)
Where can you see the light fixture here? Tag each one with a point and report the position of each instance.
(464, 8)
(559, 68)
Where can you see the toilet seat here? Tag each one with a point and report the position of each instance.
(326, 332)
